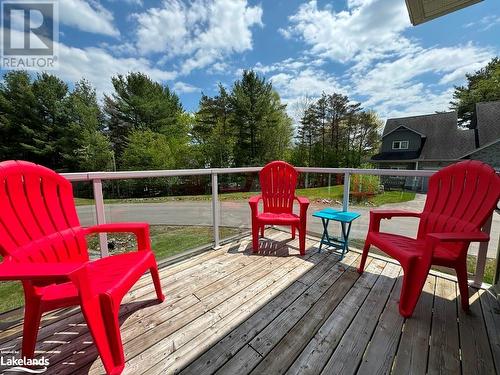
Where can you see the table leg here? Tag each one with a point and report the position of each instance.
(325, 236)
(345, 235)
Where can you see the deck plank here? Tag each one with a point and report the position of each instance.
(192, 349)
(444, 351)
(279, 359)
(474, 345)
(221, 352)
(379, 355)
(349, 352)
(413, 350)
(319, 350)
(491, 313)
(264, 342)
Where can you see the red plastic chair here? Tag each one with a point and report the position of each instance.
(44, 246)
(460, 199)
(278, 180)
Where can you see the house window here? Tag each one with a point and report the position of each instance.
(400, 145)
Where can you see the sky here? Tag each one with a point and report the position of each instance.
(366, 49)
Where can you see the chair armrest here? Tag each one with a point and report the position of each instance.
(302, 200)
(377, 215)
(38, 271)
(141, 231)
(459, 237)
(303, 204)
(254, 203)
(388, 214)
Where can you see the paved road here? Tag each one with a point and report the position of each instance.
(237, 214)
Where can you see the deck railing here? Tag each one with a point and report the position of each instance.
(96, 179)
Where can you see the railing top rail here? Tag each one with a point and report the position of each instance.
(122, 175)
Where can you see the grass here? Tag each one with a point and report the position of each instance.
(166, 241)
(330, 193)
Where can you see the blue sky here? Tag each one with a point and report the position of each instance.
(366, 49)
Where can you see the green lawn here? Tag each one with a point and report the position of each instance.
(333, 193)
(166, 241)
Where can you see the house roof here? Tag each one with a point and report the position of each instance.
(444, 140)
(403, 127)
(488, 122)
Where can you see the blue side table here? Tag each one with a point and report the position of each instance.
(345, 218)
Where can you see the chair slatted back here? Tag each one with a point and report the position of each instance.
(278, 180)
(38, 219)
(460, 198)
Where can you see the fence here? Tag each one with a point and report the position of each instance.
(96, 178)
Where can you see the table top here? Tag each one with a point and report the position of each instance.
(337, 215)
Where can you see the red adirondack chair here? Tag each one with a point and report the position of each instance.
(460, 199)
(277, 181)
(44, 246)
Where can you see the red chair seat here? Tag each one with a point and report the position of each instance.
(403, 248)
(118, 273)
(273, 218)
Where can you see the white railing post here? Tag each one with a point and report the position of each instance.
(481, 255)
(100, 215)
(215, 209)
(345, 198)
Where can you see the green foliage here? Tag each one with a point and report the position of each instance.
(95, 153)
(148, 150)
(248, 126)
(364, 184)
(334, 132)
(481, 86)
(140, 103)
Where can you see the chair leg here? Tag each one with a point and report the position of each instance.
(302, 240)
(294, 228)
(366, 248)
(32, 317)
(104, 326)
(255, 237)
(156, 281)
(262, 228)
(413, 283)
(461, 270)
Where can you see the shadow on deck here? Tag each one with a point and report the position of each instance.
(232, 312)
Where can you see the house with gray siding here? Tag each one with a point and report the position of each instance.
(434, 141)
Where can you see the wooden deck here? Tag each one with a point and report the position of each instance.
(232, 312)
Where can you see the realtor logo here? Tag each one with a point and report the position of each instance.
(29, 34)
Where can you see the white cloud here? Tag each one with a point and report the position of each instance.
(97, 65)
(485, 23)
(390, 72)
(93, 19)
(185, 88)
(202, 32)
(394, 86)
(368, 28)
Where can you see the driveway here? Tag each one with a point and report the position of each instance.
(237, 214)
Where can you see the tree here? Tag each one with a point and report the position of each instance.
(17, 115)
(481, 86)
(139, 103)
(212, 130)
(257, 112)
(95, 153)
(148, 150)
(307, 133)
